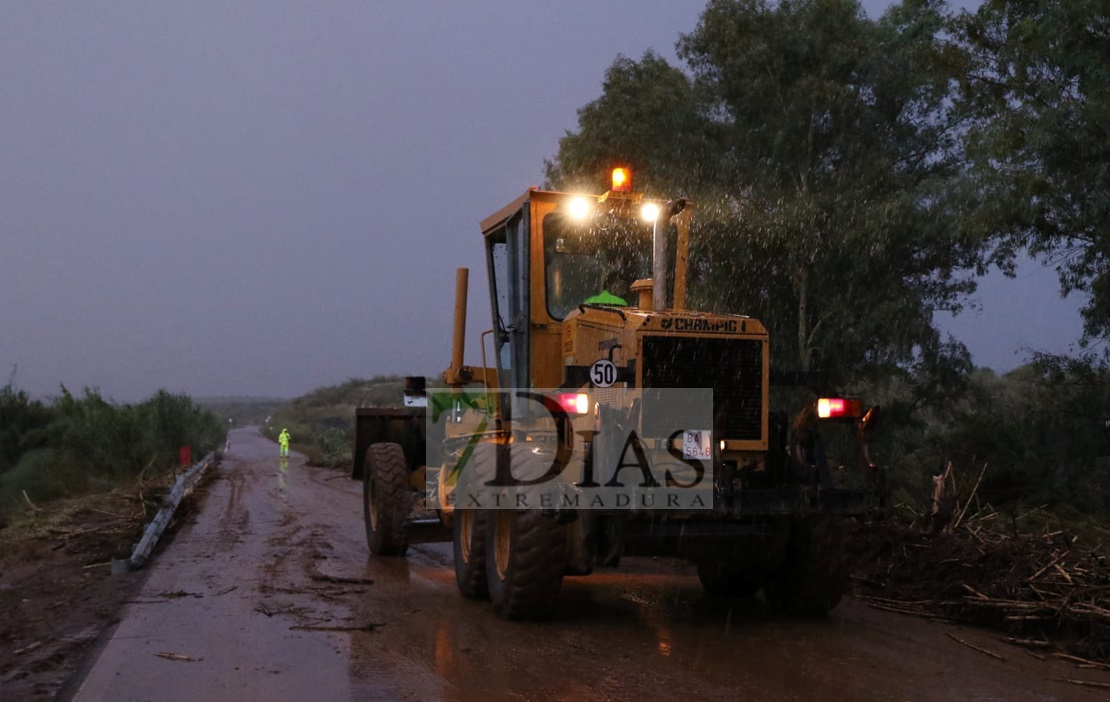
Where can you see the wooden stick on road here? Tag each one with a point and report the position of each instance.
(340, 579)
(177, 657)
(957, 639)
(1084, 683)
(362, 627)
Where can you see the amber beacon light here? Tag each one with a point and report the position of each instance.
(622, 180)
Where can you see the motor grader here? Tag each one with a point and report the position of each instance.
(625, 424)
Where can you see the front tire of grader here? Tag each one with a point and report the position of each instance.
(386, 499)
(468, 528)
(814, 575)
(525, 559)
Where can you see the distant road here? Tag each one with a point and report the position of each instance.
(216, 621)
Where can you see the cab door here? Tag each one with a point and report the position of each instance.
(507, 257)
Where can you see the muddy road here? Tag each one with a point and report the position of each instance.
(270, 595)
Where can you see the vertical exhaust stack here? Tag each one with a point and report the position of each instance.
(659, 267)
(659, 262)
(682, 253)
(462, 279)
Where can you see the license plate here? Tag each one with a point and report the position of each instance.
(697, 444)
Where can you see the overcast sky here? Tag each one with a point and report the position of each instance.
(262, 198)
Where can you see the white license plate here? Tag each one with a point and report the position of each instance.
(697, 444)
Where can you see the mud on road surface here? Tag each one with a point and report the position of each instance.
(270, 595)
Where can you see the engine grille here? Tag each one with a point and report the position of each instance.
(732, 367)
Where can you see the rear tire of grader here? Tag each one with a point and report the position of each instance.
(723, 578)
(386, 499)
(814, 575)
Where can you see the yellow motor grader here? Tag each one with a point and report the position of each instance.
(612, 421)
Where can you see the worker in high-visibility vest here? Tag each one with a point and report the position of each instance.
(612, 291)
(283, 441)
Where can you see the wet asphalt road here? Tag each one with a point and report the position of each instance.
(244, 604)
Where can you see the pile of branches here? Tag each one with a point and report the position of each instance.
(1040, 588)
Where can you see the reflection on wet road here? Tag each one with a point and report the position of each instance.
(651, 634)
(278, 605)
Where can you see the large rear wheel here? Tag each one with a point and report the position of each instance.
(814, 575)
(386, 499)
(722, 577)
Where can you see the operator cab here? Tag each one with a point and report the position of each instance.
(589, 249)
(551, 254)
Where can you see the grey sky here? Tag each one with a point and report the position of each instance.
(261, 198)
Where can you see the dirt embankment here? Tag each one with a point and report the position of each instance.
(57, 590)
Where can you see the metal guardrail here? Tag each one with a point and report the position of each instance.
(181, 489)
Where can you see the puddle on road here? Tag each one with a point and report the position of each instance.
(654, 635)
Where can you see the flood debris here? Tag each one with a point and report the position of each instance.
(27, 649)
(64, 556)
(177, 594)
(972, 646)
(261, 607)
(1084, 683)
(340, 579)
(178, 657)
(30, 505)
(1082, 662)
(1040, 589)
(353, 627)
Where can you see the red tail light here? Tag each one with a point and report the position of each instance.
(574, 402)
(834, 407)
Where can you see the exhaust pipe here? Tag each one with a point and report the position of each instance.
(659, 255)
(462, 278)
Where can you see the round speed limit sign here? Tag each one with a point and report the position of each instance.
(603, 373)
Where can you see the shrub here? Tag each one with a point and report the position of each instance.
(88, 443)
(22, 425)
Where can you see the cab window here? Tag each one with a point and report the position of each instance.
(580, 255)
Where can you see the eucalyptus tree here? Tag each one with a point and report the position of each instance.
(1039, 86)
(822, 149)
